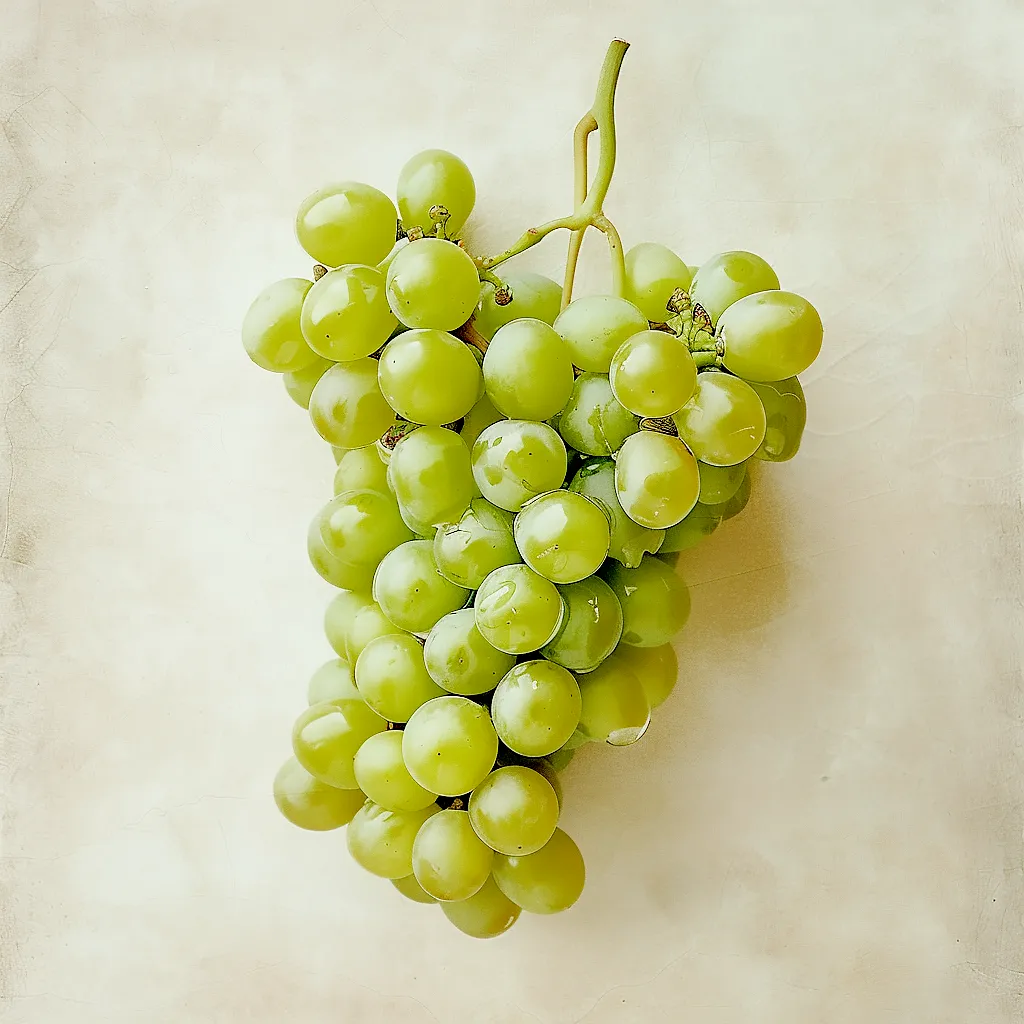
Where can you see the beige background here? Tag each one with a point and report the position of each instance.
(825, 822)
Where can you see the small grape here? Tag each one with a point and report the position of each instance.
(435, 178)
(334, 570)
(652, 374)
(656, 479)
(699, 523)
(433, 283)
(536, 707)
(514, 810)
(595, 326)
(346, 314)
(562, 535)
(381, 841)
(326, 736)
(459, 659)
(653, 273)
(347, 407)
(477, 543)
(311, 804)
(527, 370)
(770, 336)
(271, 331)
(657, 668)
(477, 420)
(410, 590)
(592, 627)
(383, 777)
(486, 914)
(724, 423)
(614, 704)
(333, 680)
(517, 610)
(655, 601)
(729, 277)
(348, 222)
(392, 679)
(431, 475)
(515, 460)
(719, 483)
(300, 383)
(361, 469)
(545, 882)
(411, 889)
(594, 421)
(361, 527)
(352, 620)
(785, 411)
(449, 859)
(533, 296)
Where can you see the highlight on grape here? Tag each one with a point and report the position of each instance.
(517, 471)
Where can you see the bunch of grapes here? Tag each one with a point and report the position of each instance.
(516, 473)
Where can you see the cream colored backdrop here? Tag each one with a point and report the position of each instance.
(825, 822)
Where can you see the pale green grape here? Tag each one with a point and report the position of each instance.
(785, 410)
(347, 222)
(485, 915)
(429, 376)
(449, 745)
(514, 810)
(449, 859)
(352, 620)
(700, 522)
(300, 383)
(628, 540)
(431, 475)
(515, 460)
(392, 679)
(271, 332)
(381, 841)
(594, 421)
(517, 610)
(536, 707)
(411, 889)
(727, 278)
(477, 543)
(527, 370)
(326, 736)
(459, 659)
(724, 422)
(657, 668)
(333, 680)
(562, 535)
(433, 283)
(383, 777)
(435, 178)
(361, 527)
(653, 273)
(410, 590)
(655, 601)
(533, 295)
(770, 336)
(478, 419)
(311, 804)
(331, 568)
(361, 469)
(719, 483)
(592, 627)
(347, 407)
(346, 314)
(652, 374)
(595, 326)
(656, 479)
(544, 882)
(614, 704)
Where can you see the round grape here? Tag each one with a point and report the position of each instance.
(614, 705)
(719, 483)
(449, 859)
(724, 422)
(653, 273)
(515, 460)
(517, 610)
(381, 841)
(477, 543)
(533, 296)
(562, 535)
(594, 421)
(331, 568)
(346, 314)
(431, 476)
(271, 331)
(729, 277)
(536, 707)
(433, 283)
(435, 178)
(656, 479)
(459, 659)
(655, 601)
(352, 620)
(527, 370)
(361, 527)
(785, 410)
(311, 804)
(300, 383)
(514, 810)
(652, 374)
(383, 777)
(486, 914)
(347, 407)
(348, 222)
(326, 736)
(333, 680)
(592, 627)
(545, 882)
(410, 590)
(361, 469)
(657, 668)
(411, 889)
(595, 326)
(392, 679)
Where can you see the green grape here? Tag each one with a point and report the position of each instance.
(657, 668)
(536, 707)
(653, 273)
(738, 502)
(449, 859)
(381, 840)
(459, 659)
(785, 410)
(593, 421)
(311, 804)
(410, 590)
(392, 679)
(533, 295)
(729, 277)
(383, 777)
(544, 882)
(346, 314)
(724, 422)
(300, 383)
(614, 705)
(515, 460)
(334, 570)
(477, 543)
(656, 479)
(271, 333)
(719, 483)
(561, 758)
(595, 326)
(562, 535)
(333, 680)
(361, 469)
(361, 527)
(652, 374)
(628, 540)
(435, 178)
(429, 376)
(433, 283)
(700, 522)
(592, 627)
(431, 475)
(477, 420)
(449, 745)
(770, 336)
(348, 222)
(352, 620)
(347, 407)
(655, 601)
(514, 810)
(527, 370)
(326, 736)
(517, 610)
(411, 889)
(485, 915)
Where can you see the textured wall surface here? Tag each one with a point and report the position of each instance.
(825, 821)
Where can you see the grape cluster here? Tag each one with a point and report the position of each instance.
(514, 480)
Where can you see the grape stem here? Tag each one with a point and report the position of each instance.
(589, 201)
